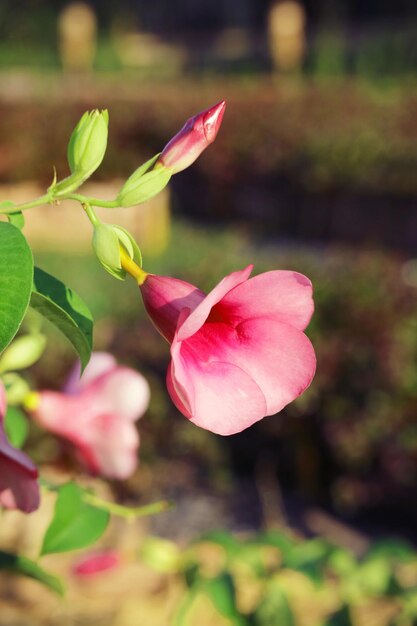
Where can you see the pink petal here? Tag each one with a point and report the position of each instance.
(3, 402)
(278, 357)
(68, 416)
(113, 443)
(282, 296)
(221, 396)
(164, 298)
(121, 391)
(199, 315)
(99, 363)
(96, 562)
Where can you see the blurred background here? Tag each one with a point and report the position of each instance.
(314, 170)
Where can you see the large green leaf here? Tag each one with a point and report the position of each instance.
(16, 273)
(75, 524)
(66, 310)
(25, 567)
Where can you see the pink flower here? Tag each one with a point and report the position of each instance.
(96, 563)
(97, 413)
(19, 487)
(239, 353)
(197, 133)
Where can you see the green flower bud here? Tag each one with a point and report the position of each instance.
(86, 150)
(23, 352)
(87, 146)
(144, 183)
(107, 239)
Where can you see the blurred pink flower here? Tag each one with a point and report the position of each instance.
(19, 487)
(238, 353)
(96, 563)
(195, 136)
(97, 413)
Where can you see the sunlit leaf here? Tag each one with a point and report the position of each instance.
(75, 524)
(65, 310)
(16, 274)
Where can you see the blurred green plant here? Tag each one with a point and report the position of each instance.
(271, 578)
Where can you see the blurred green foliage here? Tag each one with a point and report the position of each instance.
(274, 579)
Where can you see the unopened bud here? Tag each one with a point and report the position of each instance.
(195, 136)
(107, 239)
(86, 150)
(88, 143)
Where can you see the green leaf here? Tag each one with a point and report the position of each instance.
(225, 540)
(374, 576)
(278, 540)
(25, 567)
(65, 310)
(392, 549)
(75, 524)
(309, 558)
(221, 591)
(17, 219)
(273, 609)
(16, 426)
(16, 274)
(342, 562)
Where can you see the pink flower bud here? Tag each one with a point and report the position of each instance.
(197, 133)
(238, 353)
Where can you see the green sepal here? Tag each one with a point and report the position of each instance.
(107, 249)
(141, 170)
(107, 240)
(139, 189)
(129, 244)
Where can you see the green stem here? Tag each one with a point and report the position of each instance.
(126, 512)
(107, 204)
(45, 199)
(90, 213)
